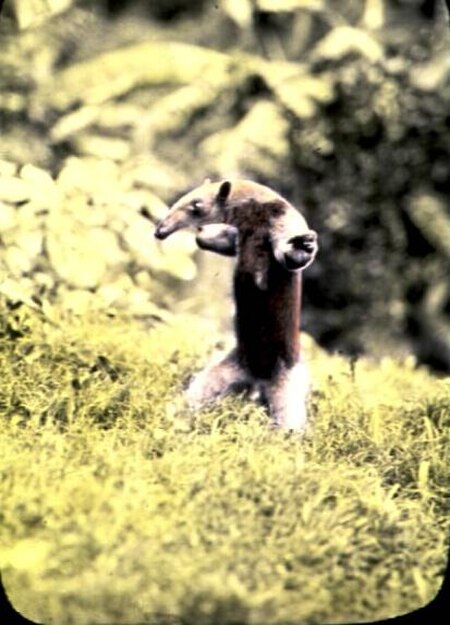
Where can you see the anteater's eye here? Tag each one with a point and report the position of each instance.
(196, 208)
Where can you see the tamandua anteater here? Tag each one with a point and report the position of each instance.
(273, 245)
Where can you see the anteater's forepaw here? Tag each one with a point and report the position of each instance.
(300, 251)
(219, 238)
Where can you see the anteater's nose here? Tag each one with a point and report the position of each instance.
(160, 231)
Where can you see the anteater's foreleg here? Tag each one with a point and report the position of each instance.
(219, 238)
(286, 396)
(218, 379)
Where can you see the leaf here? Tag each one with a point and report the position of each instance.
(102, 147)
(423, 477)
(421, 584)
(19, 290)
(8, 219)
(173, 112)
(14, 190)
(72, 123)
(37, 177)
(91, 175)
(258, 141)
(180, 267)
(30, 242)
(295, 87)
(431, 434)
(149, 172)
(176, 256)
(119, 115)
(7, 168)
(79, 301)
(115, 73)
(17, 261)
(290, 5)
(116, 291)
(277, 72)
(376, 426)
(374, 14)
(82, 256)
(27, 554)
(240, 11)
(139, 304)
(139, 239)
(430, 215)
(344, 40)
(32, 12)
(290, 94)
(433, 74)
(182, 242)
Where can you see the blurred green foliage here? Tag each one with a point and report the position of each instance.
(342, 106)
(85, 241)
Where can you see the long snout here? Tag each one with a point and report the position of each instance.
(168, 226)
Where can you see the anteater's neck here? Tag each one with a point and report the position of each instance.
(267, 319)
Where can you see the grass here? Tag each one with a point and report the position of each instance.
(111, 513)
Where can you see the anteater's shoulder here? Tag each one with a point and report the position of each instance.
(242, 189)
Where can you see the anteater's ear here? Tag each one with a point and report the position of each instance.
(224, 192)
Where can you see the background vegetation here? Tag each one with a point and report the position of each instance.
(107, 113)
(342, 106)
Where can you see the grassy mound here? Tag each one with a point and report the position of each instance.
(111, 513)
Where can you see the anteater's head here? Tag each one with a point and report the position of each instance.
(203, 205)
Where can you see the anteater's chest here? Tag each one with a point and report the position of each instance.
(267, 309)
(254, 223)
(255, 255)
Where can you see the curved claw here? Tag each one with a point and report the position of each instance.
(298, 252)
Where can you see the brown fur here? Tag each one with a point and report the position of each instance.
(267, 296)
(273, 241)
